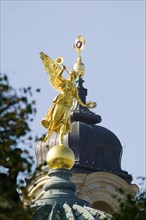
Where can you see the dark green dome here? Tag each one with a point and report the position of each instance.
(60, 201)
(66, 212)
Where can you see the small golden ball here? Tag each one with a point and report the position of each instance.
(60, 157)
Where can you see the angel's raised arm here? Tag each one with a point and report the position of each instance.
(60, 73)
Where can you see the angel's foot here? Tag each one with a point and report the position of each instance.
(60, 141)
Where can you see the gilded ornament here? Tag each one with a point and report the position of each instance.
(60, 157)
(79, 46)
(57, 118)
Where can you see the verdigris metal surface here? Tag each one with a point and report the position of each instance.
(59, 189)
(60, 201)
(67, 212)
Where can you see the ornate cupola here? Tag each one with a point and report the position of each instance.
(98, 148)
(92, 152)
(60, 201)
(95, 147)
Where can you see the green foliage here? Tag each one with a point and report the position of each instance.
(17, 109)
(132, 208)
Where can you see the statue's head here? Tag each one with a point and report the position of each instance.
(73, 75)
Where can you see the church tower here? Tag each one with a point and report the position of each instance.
(97, 171)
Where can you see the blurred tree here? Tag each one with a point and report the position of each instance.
(132, 208)
(17, 110)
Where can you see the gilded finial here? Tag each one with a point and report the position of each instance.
(79, 67)
(79, 45)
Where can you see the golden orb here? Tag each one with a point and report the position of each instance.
(60, 156)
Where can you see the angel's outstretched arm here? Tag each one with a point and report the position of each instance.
(78, 98)
(87, 105)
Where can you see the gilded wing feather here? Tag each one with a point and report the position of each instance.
(53, 69)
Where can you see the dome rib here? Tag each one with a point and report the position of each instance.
(81, 211)
(68, 212)
(54, 215)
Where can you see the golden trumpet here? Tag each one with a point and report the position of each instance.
(59, 60)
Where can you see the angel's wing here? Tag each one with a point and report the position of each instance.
(53, 69)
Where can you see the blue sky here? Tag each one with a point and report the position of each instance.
(114, 57)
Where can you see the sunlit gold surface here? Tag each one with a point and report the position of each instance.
(57, 118)
(60, 157)
(79, 44)
(79, 67)
(59, 60)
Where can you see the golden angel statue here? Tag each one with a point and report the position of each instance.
(57, 119)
